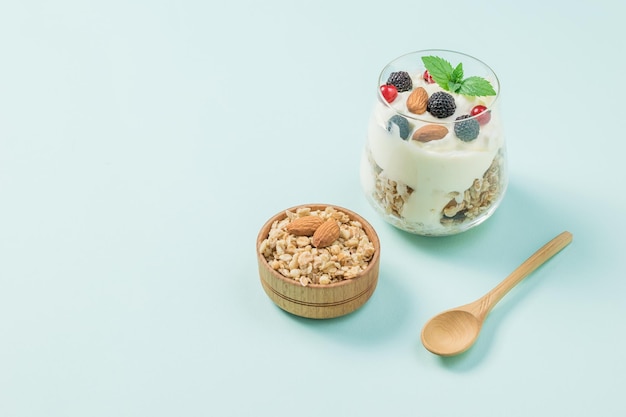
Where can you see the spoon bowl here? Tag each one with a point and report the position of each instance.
(454, 331)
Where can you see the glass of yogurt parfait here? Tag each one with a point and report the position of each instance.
(434, 162)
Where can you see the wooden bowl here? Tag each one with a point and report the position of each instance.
(318, 301)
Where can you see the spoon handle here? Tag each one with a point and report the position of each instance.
(547, 251)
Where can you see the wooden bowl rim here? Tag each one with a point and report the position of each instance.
(264, 233)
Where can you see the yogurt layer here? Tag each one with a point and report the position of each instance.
(418, 183)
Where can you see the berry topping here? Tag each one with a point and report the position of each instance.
(402, 125)
(441, 104)
(428, 78)
(389, 92)
(400, 79)
(483, 115)
(466, 130)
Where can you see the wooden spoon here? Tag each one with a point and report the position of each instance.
(454, 331)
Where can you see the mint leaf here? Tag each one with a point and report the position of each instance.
(451, 79)
(438, 68)
(476, 86)
(454, 87)
(457, 74)
(456, 78)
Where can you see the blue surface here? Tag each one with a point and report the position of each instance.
(144, 144)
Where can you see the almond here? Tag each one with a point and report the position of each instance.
(417, 101)
(427, 133)
(304, 226)
(326, 234)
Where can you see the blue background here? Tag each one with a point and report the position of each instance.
(143, 144)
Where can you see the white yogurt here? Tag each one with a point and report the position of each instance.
(436, 171)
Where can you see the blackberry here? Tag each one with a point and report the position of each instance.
(441, 104)
(401, 80)
(466, 130)
(402, 123)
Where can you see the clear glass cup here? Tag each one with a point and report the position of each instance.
(434, 162)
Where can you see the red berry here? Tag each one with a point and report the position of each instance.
(483, 115)
(389, 92)
(427, 77)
